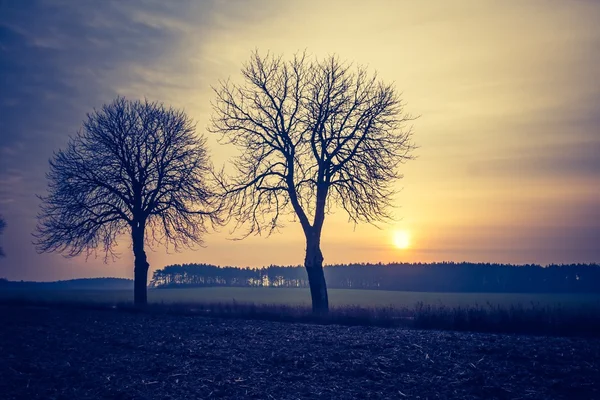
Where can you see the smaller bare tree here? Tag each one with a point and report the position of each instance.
(134, 166)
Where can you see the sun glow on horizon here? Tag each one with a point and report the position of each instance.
(401, 239)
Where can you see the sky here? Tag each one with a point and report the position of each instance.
(508, 94)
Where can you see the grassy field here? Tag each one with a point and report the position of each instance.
(338, 297)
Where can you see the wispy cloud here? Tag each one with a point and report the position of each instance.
(509, 97)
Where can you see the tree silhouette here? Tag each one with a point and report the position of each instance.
(2, 226)
(312, 135)
(135, 167)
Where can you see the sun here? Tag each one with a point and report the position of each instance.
(401, 239)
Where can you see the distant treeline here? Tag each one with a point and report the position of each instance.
(72, 284)
(434, 277)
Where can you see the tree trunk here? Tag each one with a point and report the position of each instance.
(316, 279)
(140, 271)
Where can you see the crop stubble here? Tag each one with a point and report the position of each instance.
(89, 354)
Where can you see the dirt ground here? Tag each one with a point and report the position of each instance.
(48, 353)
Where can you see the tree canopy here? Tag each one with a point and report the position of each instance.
(313, 135)
(135, 165)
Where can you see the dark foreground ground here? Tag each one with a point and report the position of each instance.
(48, 353)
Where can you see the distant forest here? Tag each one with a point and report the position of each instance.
(71, 284)
(434, 277)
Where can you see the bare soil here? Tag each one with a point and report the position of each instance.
(51, 353)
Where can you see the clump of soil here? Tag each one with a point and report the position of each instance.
(52, 353)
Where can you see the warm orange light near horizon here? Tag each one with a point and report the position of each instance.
(401, 239)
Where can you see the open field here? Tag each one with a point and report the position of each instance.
(294, 297)
(540, 314)
(90, 354)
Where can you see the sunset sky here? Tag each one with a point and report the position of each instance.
(508, 93)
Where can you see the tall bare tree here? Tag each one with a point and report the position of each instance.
(2, 226)
(313, 135)
(135, 167)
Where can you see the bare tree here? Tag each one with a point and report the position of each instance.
(135, 167)
(2, 226)
(313, 135)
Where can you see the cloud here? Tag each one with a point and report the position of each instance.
(58, 60)
(509, 98)
(561, 162)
